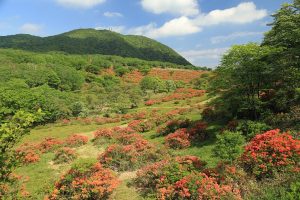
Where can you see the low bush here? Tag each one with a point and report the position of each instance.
(64, 155)
(103, 136)
(150, 179)
(76, 141)
(229, 145)
(178, 140)
(173, 125)
(85, 181)
(270, 153)
(130, 157)
(250, 128)
(49, 144)
(141, 126)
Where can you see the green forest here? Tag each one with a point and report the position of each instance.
(93, 115)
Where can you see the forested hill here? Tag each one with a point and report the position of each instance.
(91, 41)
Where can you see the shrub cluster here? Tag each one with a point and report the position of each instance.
(85, 181)
(271, 152)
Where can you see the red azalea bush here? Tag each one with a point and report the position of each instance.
(178, 140)
(198, 131)
(173, 125)
(64, 155)
(141, 126)
(151, 102)
(131, 156)
(198, 186)
(166, 172)
(271, 152)
(28, 156)
(182, 178)
(27, 153)
(102, 136)
(179, 94)
(49, 144)
(85, 181)
(126, 139)
(76, 140)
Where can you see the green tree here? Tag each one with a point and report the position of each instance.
(229, 145)
(10, 133)
(245, 72)
(153, 83)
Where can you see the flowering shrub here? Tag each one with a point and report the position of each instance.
(127, 139)
(166, 172)
(27, 153)
(198, 186)
(174, 125)
(49, 144)
(141, 126)
(178, 140)
(198, 131)
(271, 152)
(152, 102)
(131, 156)
(76, 140)
(85, 181)
(179, 94)
(102, 136)
(64, 155)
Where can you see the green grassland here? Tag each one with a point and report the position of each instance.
(43, 174)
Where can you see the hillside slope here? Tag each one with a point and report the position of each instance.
(91, 41)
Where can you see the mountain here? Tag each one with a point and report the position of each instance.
(91, 41)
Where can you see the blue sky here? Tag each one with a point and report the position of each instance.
(200, 30)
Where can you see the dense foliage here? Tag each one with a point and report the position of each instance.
(91, 41)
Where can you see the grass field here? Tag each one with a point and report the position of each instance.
(43, 174)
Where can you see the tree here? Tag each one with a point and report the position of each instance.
(10, 134)
(244, 74)
(153, 83)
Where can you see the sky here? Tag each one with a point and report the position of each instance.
(200, 30)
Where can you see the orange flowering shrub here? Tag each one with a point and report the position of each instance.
(182, 178)
(179, 94)
(271, 152)
(76, 140)
(198, 186)
(102, 136)
(178, 140)
(163, 174)
(27, 153)
(198, 131)
(64, 155)
(129, 157)
(172, 126)
(85, 181)
(49, 144)
(141, 126)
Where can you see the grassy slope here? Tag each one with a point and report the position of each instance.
(43, 174)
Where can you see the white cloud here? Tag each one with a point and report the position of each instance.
(118, 29)
(241, 14)
(85, 4)
(171, 28)
(178, 7)
(207, 57)
(30, 28)
(224, 38)
(112, 14)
